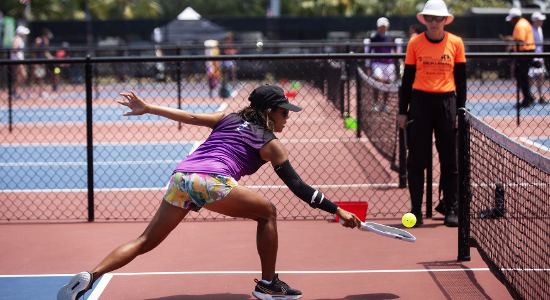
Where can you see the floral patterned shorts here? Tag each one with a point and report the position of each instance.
(193, 190)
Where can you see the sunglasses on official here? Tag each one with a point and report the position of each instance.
(432, 18)
(285, 113)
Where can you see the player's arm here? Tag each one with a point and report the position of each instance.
(275, 152)
(140, 107)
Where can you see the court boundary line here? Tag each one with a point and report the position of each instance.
(100, 287)
(283, 272)
(533, 143)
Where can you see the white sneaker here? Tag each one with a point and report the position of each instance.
(385, 108)
(374, 109)
(78, 285)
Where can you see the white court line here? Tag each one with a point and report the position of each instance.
(100, 287)
(528, 141)
(288, 272)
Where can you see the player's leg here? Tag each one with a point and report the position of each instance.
(419, 144)
(165, 220)
(242, 202)
(445, 141)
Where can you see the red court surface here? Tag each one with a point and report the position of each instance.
(218, 260)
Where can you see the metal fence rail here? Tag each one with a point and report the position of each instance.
(67, 154)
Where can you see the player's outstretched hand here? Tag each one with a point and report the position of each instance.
(350, 219)
(135, 103)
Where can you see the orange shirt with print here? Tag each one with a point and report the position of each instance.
(435, 62)
(524, 33)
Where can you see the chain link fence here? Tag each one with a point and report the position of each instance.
(67, 153)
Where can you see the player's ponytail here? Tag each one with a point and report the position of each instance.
(260, 117)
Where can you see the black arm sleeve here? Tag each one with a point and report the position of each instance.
(314, 198)
(460, 81)
(409, 75)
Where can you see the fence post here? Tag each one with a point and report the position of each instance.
(178, 79)
(358, 95)
(10, 108)
(463, 180)
(89, 138)
(429, 181)
(348, 78)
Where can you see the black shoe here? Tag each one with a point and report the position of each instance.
(419, 220)
(451, 219)
(543, 101)
(275, 290)
(440, 208)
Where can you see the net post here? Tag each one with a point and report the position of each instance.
(178, 79)
(10, 111)
(89, 138)
(358, 87)
(429, 181)
(402, 159)
(463, 202)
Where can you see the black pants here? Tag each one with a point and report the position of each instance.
(432, 113)
(521, 72)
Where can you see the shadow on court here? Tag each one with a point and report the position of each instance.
(460, 284)
(225, 296)
(373, 296)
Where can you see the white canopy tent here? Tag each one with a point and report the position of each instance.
(188, 28)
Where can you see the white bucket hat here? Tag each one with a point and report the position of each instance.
(22, 30)
(514, 12)
(383, 22)
(537, 16)
(435, 8)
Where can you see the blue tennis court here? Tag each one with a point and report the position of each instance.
(71, 114)
(35, 287)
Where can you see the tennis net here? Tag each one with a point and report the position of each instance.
(378, 110)
(507, 205)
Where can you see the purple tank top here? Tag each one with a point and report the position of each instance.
(232, 149)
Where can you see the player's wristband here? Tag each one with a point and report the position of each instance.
(314, 198)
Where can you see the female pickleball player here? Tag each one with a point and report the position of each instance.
(434, 86)
(240, 143)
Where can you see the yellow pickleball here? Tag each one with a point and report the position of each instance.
(408, 220)
(57, 70)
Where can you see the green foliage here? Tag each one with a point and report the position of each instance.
(134, 9)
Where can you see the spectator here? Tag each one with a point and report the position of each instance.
(538, 70)
(381, 69)
(19, 71)
(435, 67)
(414, 30)
(524, 34)
(212, 67)
(229, 49)
(42, 43)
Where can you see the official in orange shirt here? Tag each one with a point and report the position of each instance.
(433, 87)
(522, 33)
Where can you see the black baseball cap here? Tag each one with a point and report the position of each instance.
(269, 96)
